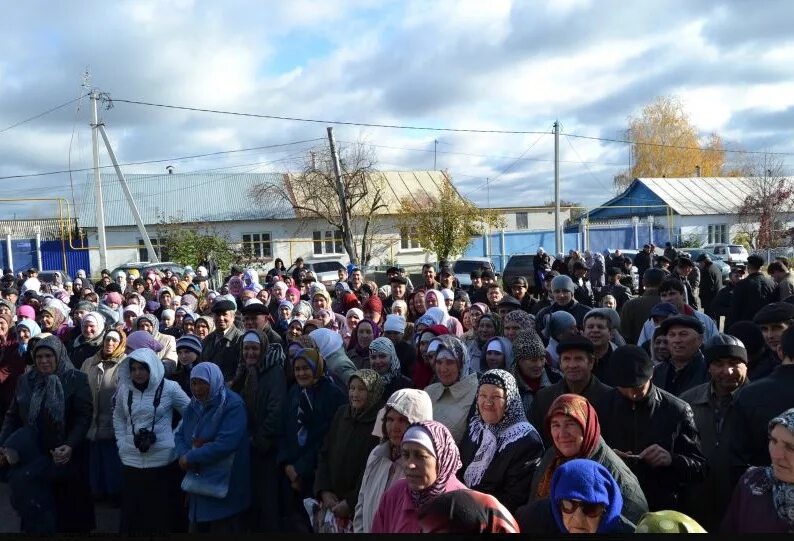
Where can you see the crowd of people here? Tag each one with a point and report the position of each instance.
(574, 400)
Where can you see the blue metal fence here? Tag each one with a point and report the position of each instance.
(55, 255)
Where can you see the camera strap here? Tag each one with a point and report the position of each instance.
(158, 394)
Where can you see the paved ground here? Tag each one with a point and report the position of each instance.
(107, 518)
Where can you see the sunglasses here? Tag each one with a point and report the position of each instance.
(591, 510)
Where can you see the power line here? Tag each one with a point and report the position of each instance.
(598, 180)
(48, 111)
(30, 175)
(679, 147)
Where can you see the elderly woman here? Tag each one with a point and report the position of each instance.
(531, 371)
(167, 354)
(384, 467)
(430, 459)
(263, 386)
(383, 360)
(332, 349)
(204, 326)
(352, 317)
(517, 321)
(89, 342)
(466, 512)
(572, 424)
(498, 354)
(306, 418)
(423, 372)
(435, 299)
(53, 321)
(488, 326)
(584, 498)
(349, 441)
(43, 441)
(145, 402)
(501, 449)
(763, 500)
(358, 348)
(213, 450)
(13, 354)
(101, 369)
(454, 393)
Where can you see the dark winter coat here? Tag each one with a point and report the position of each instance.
(635, 313)
(223, 350)
(749, 296)
(550, 376)
(754, 406)
(594, 393)
(81, 349)
(407, 355)
(675, 382)
(509, 474)
(710, 284)
(344, 453)
(12, 366)
(661, 419)
(396, 384)
(706, 502)
(621, 293)
(576, 309)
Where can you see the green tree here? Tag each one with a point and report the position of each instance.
(445, 225)
(197, 245)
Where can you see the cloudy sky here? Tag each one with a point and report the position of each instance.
(495, 65)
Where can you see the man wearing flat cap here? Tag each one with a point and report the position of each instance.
(223, 346)
(621, 293)
(687, 366)
(577, 359)
(726, 358)
(773, 320)
(651, 430)
(256, 316)
(752, 293)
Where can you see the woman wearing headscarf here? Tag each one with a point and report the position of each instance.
(167, 354)
(13, 354)
(89, 341)
(144, 406)
(383, 360)
(423, 370)
(43, 440)
(498, 354)
(668, 522)
(500, 450)
(488, 326)
(335, 359)
(347, 445)
(430, 458)
(477, 310)
(466, 511)
(453, 394)
(213, 450)
(437, 309)
(517, 321)
(358, 347)
(262, 384)
(763, 500)
(384, 467)
(574, 430)
(531, 369)
(373, 310)
(352, 317)
(188, 352)
(101, 369)
(204, 326)
(52, 320)
(308, 410)
(416, 305)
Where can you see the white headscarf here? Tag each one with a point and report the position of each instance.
(328, 341)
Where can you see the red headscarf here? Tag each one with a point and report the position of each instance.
(375, 305)
(580, 410)
(423, 373)
(349, 300)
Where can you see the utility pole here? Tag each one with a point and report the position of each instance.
(99, 206)
(557, 234)
(347, 236)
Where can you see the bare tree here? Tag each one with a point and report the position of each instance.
(765, 213)
(313, 194)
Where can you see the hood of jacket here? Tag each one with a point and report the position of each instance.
(149, 358)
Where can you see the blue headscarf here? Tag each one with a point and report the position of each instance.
(34, 329)
(210, 373)
(590, 482)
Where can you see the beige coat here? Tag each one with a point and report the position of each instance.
(451, 404)
(103, 381)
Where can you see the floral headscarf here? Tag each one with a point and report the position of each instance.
(374, 384)
(447, 460)
(384, 345)
(521, 318)
(495, 438)
(782, 492)
(458, 349)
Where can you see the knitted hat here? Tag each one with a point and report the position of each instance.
(724, 345)
(777, 312)
(630, 366)
(191, 342)
(528, 345)
(563, 281)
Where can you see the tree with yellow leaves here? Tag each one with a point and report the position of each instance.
(667, 144)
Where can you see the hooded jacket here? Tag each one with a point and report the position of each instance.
(452, 405)
(141, 413)
(103, 380)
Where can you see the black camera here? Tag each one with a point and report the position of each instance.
(144, 439)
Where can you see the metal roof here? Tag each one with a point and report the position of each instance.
(694, 196)
(186, 198)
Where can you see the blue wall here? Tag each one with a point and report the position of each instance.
(517, 242)
(52, 256)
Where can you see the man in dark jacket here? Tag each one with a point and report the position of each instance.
(687, 367)
(710, 282)
(577, 359)
(562, 288)
(721, 305)
(653, 431)
(520, 290)
(710, 402)
(773, 320)
(643, 261)
(223, 346)
(670, 252)
(755, 405)
(683, 270)
(256, 316)
(583, 292)
(755, 291)
(621, 293)
(636, 311)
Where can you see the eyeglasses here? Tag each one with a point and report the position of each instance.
(591, 510)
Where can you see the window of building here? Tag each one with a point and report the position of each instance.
(718, 234)
(257, 245)
(522, 220)
(408, 238)
(327, 242)
(159, 249)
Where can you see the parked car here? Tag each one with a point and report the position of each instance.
(732, 253)
(326, 272)
(127, 267)
(463, 267)
(176, 268)
(49, 277)
(521, 265)
(724, 268)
